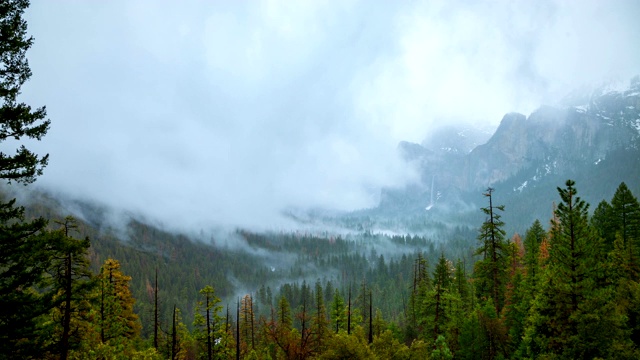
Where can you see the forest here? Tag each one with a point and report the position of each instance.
(568, 288)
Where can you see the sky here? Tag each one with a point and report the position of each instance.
(208, 113)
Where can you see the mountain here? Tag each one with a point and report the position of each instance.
(587, 136)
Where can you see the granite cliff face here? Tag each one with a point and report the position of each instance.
(563, 140)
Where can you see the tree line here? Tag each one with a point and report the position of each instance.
(565, 292)
(570, 291)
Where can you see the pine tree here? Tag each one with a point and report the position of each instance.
(23, 256)
(303, 316)
(338, 311)
(117, 323)
(532, 240)
(439, 297)
(72, 281)
(523, 286)
(281, 332)
(601, 220)
(419, 289)
(247, 323)
(490, 272)
(461, 283)
(517, 302)
(573, 315)
(208, 325)
(179, 344)
(459, 306)
(320, 322)
(625, 221)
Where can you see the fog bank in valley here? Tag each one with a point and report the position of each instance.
(203, 113)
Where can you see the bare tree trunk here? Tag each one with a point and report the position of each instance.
(155, 313)
(208, 330)
(370, 318)
(238, 331)
(174, 336)
(349, 313)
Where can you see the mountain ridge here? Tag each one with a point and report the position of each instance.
(552, 143)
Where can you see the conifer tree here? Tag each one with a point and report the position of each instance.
(208, 324)
(117, 323)
(625, 221)
(490, 272)
(601, 220)
(439, 297)
(459, 306)
(281, 332)
(516, 308)
(461, 283)
(532, 240)
(338, 311)
(573, 314)
(320, 321)
(23, 256)
(420, 287)
(247, 323)
(178, 344)
(304, 348)
(72, 282)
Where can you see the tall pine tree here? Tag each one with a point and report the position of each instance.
(209, 327)
(625, 223)
(23, 258)
(490, 271)
(573, 315)
(72, 282)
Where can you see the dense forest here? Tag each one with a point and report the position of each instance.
(566, 290)
(71, 288)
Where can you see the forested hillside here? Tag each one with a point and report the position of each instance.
(547, 292)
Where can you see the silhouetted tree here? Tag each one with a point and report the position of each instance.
(23, 251)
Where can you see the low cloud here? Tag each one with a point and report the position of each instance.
(199, 112)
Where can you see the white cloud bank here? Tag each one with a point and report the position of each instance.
(225, 112)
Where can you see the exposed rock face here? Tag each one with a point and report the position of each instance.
(550, 140)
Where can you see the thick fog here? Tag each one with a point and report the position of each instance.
(199, 113)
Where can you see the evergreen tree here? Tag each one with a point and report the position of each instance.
(625, 221)
(573, 315)
(208, 325)
(439, 297)
(517, 302)
(117, 323)
(23, 256)
(338, 315)
(490, 272)
(483, 335)
(459, 306)
(462, 283)
(281, 332)
(320, 322)
(532, 240)
(441, 351)
(601, 220)
(72, 282)
(419, 289)
(247, 323)
(304, 348)
(179, 343)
